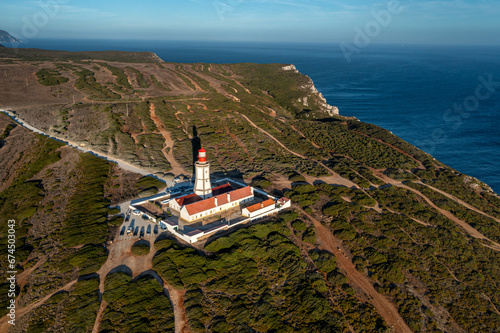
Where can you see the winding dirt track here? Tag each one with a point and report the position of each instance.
(121, 163)
(169, 144)
(336, 177)
(177, 300)
(457, 200)
(470, 230)
(121, 258)
(20, 312)
(383, 306)
(272, 137)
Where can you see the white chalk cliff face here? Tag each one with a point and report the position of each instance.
(317, 97)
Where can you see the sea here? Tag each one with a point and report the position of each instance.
(443, 99)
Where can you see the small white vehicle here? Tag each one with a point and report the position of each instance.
(136, 212)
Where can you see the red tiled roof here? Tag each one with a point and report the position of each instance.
(240, 193)
(201, 206)
(260, 205)
(222, 199)
(221, 189)
(188, 199)
(283, 200)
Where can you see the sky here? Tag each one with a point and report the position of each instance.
(355, 21)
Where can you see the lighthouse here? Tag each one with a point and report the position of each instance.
(202, 185)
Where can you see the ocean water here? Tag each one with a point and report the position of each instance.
(442, 99)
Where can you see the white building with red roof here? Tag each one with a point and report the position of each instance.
(206, 200)
(284, 203)
(216, 204)
(259, 208)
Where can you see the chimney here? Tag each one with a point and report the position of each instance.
(261, 204)
(216, 202)
(228, 197)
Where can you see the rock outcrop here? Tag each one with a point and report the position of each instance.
(6, 38)
(315, 98)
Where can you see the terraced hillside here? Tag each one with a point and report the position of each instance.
(382, 237)
(145, 113)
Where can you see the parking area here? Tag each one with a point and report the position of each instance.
(137, 226)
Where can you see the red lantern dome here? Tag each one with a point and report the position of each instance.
(202, 155)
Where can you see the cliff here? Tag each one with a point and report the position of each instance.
(314, 99)
(5, 37)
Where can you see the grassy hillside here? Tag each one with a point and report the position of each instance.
(380, 233)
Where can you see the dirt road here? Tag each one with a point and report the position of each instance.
(272, 137)
(466, 205)
(384, 307)
(169, 143)
(470, 230)
(177, 299)
(121, 163)
(20, 312)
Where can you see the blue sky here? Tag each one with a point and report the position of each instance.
(438, 21)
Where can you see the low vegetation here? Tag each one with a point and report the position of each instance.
(268, 289)
(87, 211)
(48, 77)
(73, 311)
(87, 82)
(136, 305)
(272, 276)
(140, 249)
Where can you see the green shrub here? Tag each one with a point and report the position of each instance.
(114, 211)
(320, 286)
(288, 216)
(148, 182)
(262, 183)
(299, 225)
(140, 249)
(148, 192)
(116, 221)
(50, 77)
(164, 244)
(304, 188)
(296, 178)
(88, 259)
(309, 235)
(138, 305)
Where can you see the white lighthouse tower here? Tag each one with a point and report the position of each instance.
(202, 185)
